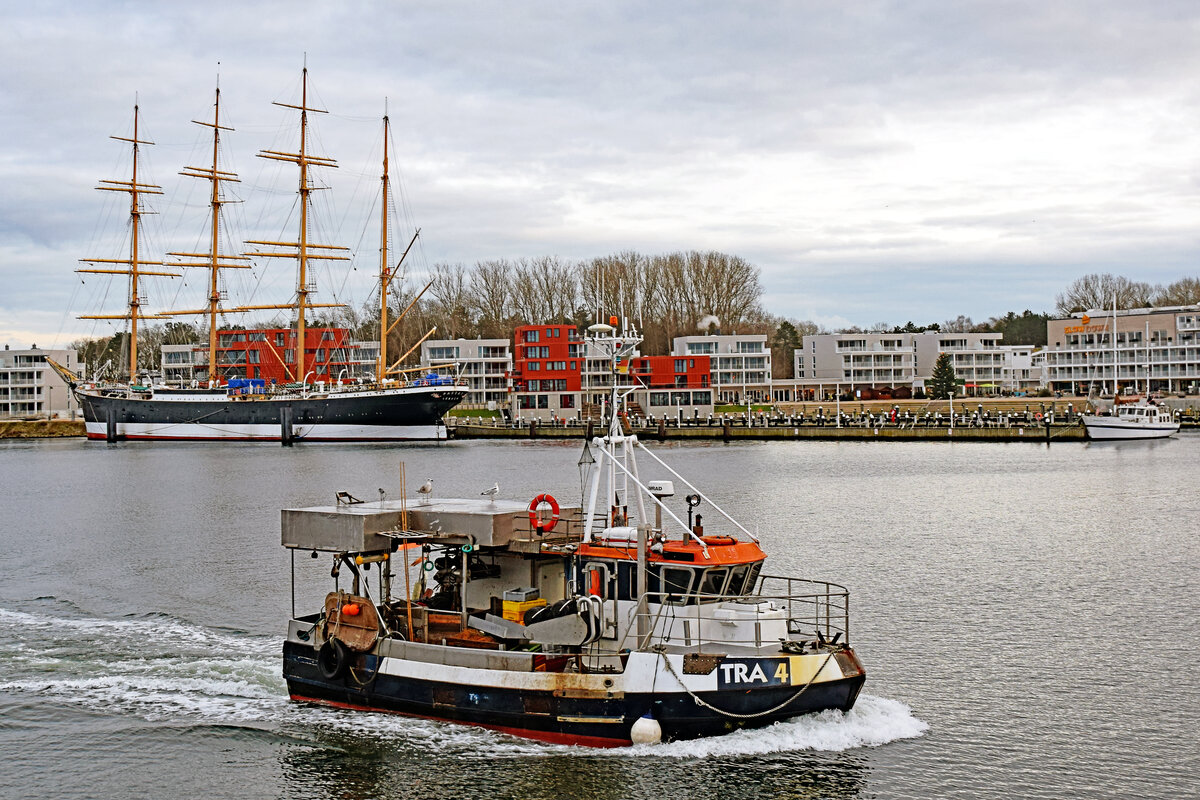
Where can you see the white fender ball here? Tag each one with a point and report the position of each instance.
(646, 730)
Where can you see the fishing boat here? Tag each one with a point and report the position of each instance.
(608, 623)
(407, 406)
(1144, 419)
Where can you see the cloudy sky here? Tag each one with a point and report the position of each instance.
(877, 161)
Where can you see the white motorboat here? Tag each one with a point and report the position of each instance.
(1141, 420)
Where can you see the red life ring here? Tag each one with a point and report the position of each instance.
(1038, 416)
(534, 521)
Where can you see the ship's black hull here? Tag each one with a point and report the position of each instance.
(391, 414)
(554, 716)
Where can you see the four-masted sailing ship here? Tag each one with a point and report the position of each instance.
(387, 408)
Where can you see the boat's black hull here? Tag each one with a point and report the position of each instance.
(411, 413)
(552, 716)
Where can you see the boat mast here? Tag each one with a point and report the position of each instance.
(301, 250)
(385, 277)
(134, 262)
(1116, 391)
(305, 190)
(214, 261)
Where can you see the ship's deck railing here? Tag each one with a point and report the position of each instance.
(815, 612)
(822, 605)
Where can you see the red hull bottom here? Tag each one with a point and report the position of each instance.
(544, 736)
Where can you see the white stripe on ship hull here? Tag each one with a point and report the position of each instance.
(269, 433)
(643, 673)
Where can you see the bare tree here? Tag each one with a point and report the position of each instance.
(619, 284)
(960, 324)
(491, 297)
(1098, 291)
(449, 303)
(1183, 292)
(558, 283)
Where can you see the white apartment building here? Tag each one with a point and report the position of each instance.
(30, 387)
(484, 364)
(827, 363)
(1159, 346)
(741, 364)
(183, 363)
(364, 358)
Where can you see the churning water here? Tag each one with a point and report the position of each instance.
(1025, 614)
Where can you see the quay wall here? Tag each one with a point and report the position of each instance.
(812, 432)
(41, 428)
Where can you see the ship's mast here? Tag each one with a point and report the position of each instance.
(385, 277)
(134, 262)
(387, 273)
(301, 250)
(213, 260)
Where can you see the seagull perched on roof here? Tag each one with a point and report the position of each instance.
(492, 492)
(426, 489)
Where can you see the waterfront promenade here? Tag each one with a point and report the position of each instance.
(990, 419)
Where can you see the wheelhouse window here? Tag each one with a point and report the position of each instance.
(737, 579)
(752, 578)
(677, 584)
(712, 582)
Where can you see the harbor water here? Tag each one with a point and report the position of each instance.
(1025, 614)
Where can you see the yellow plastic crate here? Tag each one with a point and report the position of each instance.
(515, 612)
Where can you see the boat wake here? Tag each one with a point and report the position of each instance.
(873, 721)
(154, 667)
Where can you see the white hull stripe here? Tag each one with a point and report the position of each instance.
(643, 674)
(268, 433)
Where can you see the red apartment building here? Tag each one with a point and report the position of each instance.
(263, 353)
(671, 372)
(548, 363)
(553, 376)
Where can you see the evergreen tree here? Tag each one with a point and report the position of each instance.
(944, 381)
(783, 344)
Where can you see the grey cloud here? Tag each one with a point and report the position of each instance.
(513, 120)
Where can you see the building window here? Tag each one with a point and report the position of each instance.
(531, 336)
(566, 401)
